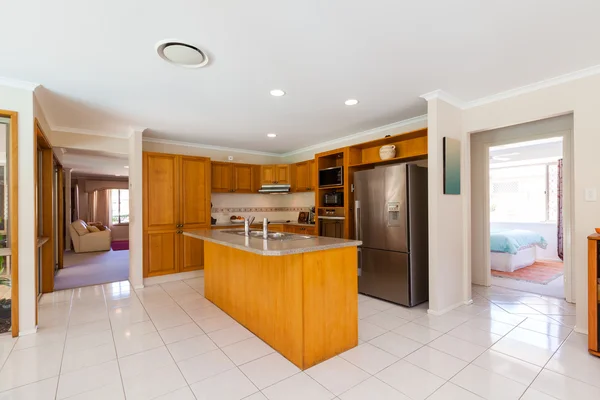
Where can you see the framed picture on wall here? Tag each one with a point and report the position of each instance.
(451, 153)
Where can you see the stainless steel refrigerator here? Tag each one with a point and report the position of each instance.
(391, 221)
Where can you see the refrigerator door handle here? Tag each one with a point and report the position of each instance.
(359, 261)
(357, 221)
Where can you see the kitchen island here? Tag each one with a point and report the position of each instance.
(297, 293)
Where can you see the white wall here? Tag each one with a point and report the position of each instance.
(21, 101)
(581, 98)
(446, 243)
(135, 210)
(547, 229)
(88, 142)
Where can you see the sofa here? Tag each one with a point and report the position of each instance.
(87, 238)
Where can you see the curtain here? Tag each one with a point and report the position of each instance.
(102, 211)
(559, 211)
(91, 214)
(76, 204)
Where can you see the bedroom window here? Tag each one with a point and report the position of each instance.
(120, 206)
(524, 193)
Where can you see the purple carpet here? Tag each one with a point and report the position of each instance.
(117, 245)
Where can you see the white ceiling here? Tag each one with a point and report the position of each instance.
(88, 162)
(97, 64)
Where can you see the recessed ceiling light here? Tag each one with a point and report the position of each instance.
(277, 92)
(182, 54)
(127, 166)
(351, 102)
(117, 175)
(271, 135)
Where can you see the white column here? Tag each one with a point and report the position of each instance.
(135, 210)
(68, 210)
(447, 266)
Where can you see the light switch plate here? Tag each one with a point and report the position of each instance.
(591, 194)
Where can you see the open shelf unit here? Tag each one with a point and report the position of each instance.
(410, 146)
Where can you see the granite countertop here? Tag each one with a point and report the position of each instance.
(259, 222)
(271, 247)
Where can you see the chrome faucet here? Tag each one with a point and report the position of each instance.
(265, 228)
(247, 222)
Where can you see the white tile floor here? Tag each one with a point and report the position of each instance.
(169, 342)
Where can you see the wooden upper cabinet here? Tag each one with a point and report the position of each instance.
(312, 176)
(267, 174)
(232, 178)
(160, 180)
(282, 174)
(301, 183)
(221, 176)
(195, 192)
(242, 178)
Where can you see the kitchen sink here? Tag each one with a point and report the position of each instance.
(270, 235)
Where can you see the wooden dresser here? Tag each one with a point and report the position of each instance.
(593, 293)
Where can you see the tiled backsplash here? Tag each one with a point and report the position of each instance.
(259, 209)
(273, 207)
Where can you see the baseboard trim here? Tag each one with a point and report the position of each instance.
(583, 331)
(445, 310)
(29, 332)
(157, 280)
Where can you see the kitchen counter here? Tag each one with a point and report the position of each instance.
(257, 223)
(303, 302)
(271, 247)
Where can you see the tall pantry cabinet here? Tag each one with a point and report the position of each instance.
(176, 199)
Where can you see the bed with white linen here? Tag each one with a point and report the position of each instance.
(514, 249)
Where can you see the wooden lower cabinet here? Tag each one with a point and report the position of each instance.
(160, 253)
(301, 229)
(191, 254)
(171, 252)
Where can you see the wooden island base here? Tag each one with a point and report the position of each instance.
(303, 305)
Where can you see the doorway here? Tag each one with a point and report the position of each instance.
(97, 223)
(514, 177)
(525, 191)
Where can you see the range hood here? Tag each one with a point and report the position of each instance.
(275, 189)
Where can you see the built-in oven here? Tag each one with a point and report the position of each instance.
(333, 176)
(333, 199)
(331, 222)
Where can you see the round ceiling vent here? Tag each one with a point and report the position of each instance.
(182, 54)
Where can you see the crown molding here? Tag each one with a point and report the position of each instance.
(394, 125)
(444, 96)
(569, 77)
(18, 84)
(209, 147)
(89, 132)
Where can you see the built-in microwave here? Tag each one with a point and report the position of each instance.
(331, 176)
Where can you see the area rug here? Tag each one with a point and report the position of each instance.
(86, 269)
(541, 272)
(117, 245)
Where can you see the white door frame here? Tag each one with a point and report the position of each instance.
(481, 142)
